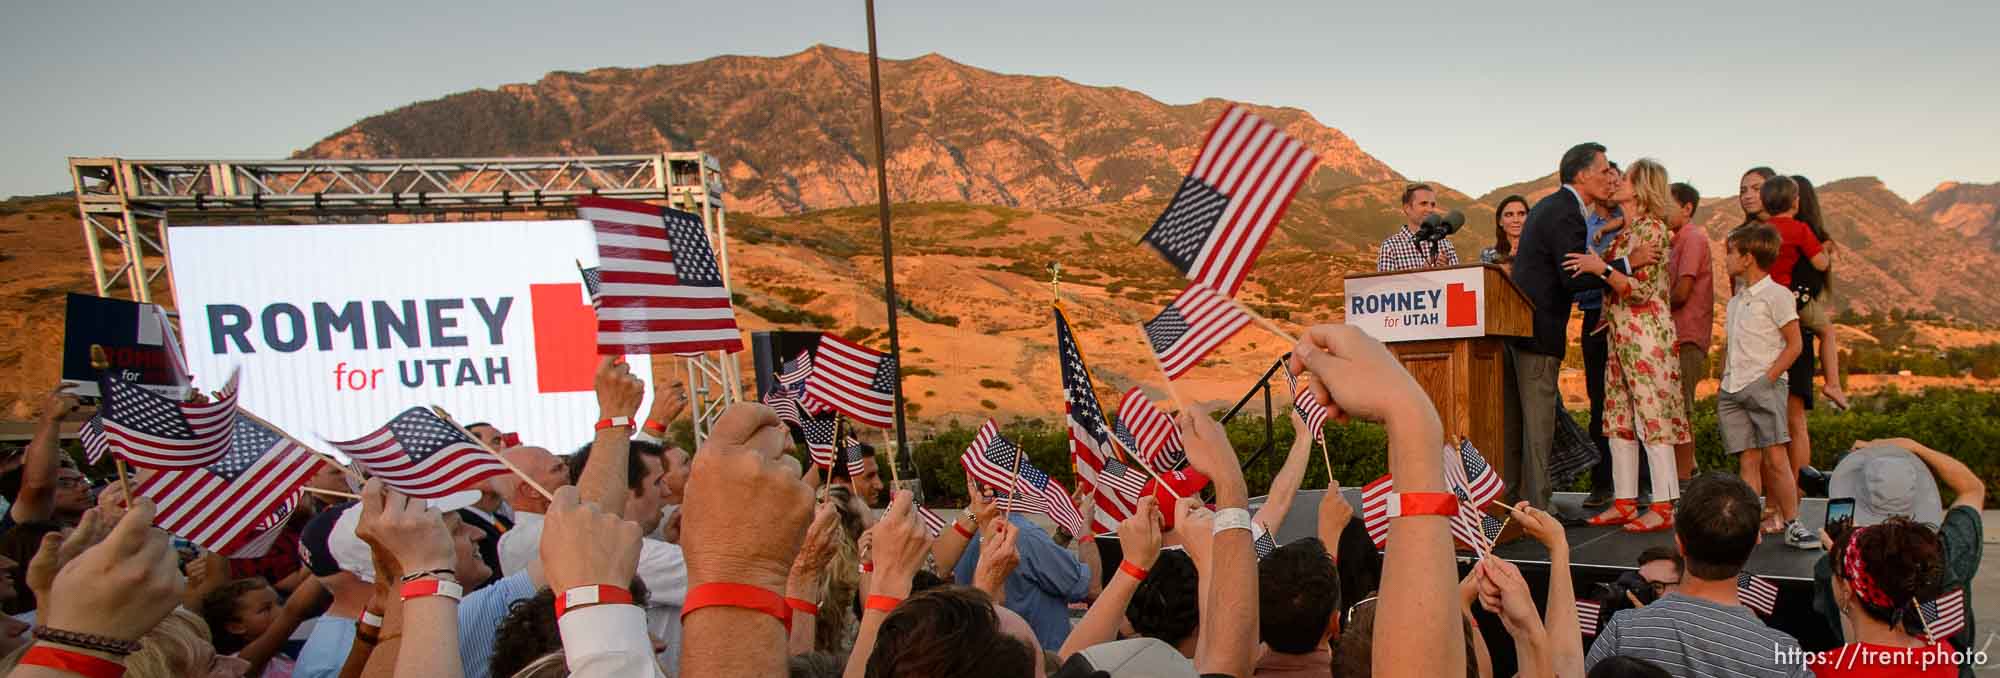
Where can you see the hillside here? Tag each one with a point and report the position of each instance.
(1970, 210)
(791, 131)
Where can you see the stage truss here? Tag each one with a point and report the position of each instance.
(126, 207)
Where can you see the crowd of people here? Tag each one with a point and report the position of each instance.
(634, 557)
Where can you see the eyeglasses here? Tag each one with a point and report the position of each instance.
(1660, 587)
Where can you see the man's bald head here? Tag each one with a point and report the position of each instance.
(538, 463)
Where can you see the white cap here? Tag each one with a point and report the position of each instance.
(348, 550)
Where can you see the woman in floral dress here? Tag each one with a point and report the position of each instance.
(1642, 380)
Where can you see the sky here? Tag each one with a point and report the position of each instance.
(1473, 94)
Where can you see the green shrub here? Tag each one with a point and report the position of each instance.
(995, 383)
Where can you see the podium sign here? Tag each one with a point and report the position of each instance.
(1445, 303)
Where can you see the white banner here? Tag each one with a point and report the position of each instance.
(340, 327)
(1441, 304)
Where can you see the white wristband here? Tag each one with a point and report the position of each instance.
(371, 619)
(1232, 519)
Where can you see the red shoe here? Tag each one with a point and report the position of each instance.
(1665, 510)
(1622, 511)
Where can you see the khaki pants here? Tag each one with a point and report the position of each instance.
(1694, 368)
(1528, 456)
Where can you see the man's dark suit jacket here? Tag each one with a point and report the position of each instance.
(1554, 229)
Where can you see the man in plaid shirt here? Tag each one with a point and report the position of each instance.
(1400, 251)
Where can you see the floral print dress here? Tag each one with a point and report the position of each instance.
(1642, 380)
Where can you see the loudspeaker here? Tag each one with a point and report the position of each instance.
(771, 349)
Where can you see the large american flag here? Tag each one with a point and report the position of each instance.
(1756, 593)
(1154, 437)
(154, 431)
(661, 290)
(820, 432)
(1375, 509)
(1195, 323)
(1089, 436)
(992, 459)
(1944, 617)
(853, 379)
(1225, 209)
(223, 504)
(1309, 408)
(420, 454)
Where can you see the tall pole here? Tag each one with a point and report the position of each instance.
(882, 208)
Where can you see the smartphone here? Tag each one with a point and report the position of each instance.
(1838, 510)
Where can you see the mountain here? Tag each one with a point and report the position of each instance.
(1970, 210)
(792, 132)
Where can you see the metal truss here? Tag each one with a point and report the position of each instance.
(126, 205)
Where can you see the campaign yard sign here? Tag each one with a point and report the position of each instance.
(1416, 305)
(132, 338)
(340, 327)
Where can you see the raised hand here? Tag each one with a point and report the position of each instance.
(619, 392)
(900, 542)
(60, 404)
(815, 552)
(1139, 535)
(1503, 591)
(998, 556)
(741, 465)
(669, 401)
(1542, 526)
(1334, 512)
(1353, 373)
(121, 587)
(1208, 450)
(58, 549)
(406, 529)
(582, 545)
(1196, 526)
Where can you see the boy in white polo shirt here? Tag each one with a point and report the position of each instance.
(1763, 327)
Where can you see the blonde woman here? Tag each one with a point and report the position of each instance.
(1642, 380)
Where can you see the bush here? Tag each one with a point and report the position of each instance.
(996, 384)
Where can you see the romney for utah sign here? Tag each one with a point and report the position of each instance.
(1435, 304)
(340, 327)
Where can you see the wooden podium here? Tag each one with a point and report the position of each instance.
(1450, 327)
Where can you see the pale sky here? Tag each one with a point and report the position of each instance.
(1473, 94)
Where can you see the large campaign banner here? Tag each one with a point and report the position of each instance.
(339, 327)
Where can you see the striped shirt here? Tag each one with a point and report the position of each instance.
(479, 615)
(1691, 637)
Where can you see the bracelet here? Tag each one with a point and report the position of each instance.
(594, 594)
(74, 662)
(883, 603)
(1135, 571)
(867, 568)
(424, 588)
(1410, 504)
(745, 596)
(1232, 519)
(802, 606)
(439, 573)
(86, 641)
(654, 426)
(371, 619)
(960, 529)
(614, 422)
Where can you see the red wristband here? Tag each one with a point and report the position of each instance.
(1137, 572)
(594, 594)
(867, 568)
(81, 664)
(655, 427)
(745, 596)
(802, 606)
(424, 588)
(883, 603)
(960, 529)
(1406, 504)
(614, 422)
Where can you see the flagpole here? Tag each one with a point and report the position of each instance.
(882, 209)
(446, 416)
(330, 493)
(124, 477)
(1325, 454)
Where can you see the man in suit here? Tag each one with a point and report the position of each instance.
(1555, 229)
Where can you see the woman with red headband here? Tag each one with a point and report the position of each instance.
(1881, 574)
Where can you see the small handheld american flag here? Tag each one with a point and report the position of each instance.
(420, 454)
(1237, 190)
(858, 381)
(1944, 617)
(1466, 469)
(222, 504)
(992, 460)
(1587, 612)
(154, 431)
(820, 432)
(660, 289)
(1309, 408)
(1375, 509)
(1757, 593)
(1193, 324)
(1154, 436)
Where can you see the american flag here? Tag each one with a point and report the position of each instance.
(820, 432)
(1468, 527)
(933, 522)
(1756, 593)
(1264, 544)
(1944, 617)
(268, 530)
(1152, 431)
(1119, 488)
(154, 431)
(1225, 208)
(94, 442)
(1375, 509)
(1195, 323)
(1489, 530)
(793, 373)
(220, 505)
(420, 454)
(1089, 436)
(856, 380)
(1587, 612)
(661, 290)
(1465, 469)
(991, 460)
(850, 452)
(1309, 407)
(786, 405)
(593, 283)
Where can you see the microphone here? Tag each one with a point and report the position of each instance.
(1440, 226)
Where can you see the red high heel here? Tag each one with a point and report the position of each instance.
(1626, 510)
(1666, 512)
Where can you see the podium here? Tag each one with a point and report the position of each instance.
(1450, 328)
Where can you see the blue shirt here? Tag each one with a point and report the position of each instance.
(1590, 300)
(1048, 579)
(326, 648)
(479, 616)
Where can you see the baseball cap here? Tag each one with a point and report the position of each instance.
(1133, 658)
(313, 539)
(1887, 481)
(1186, 483)
(354, 555)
